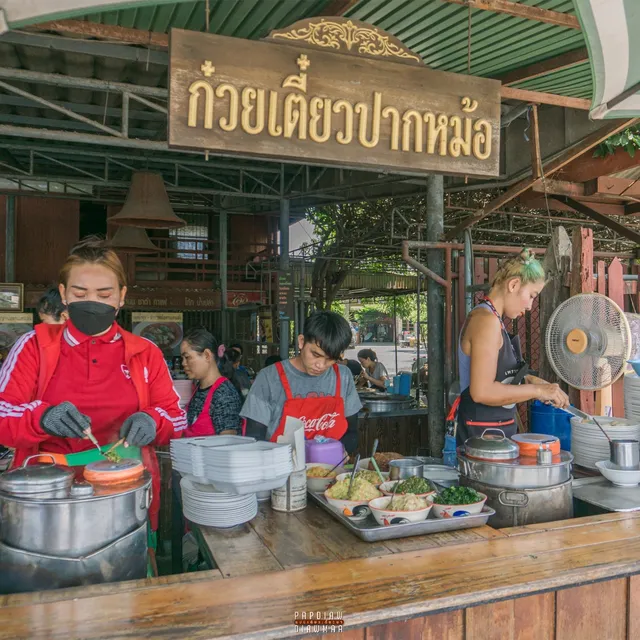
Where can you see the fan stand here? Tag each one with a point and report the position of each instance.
(604, 398)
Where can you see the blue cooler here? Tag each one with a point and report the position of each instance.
(551, 421)
(405, 384)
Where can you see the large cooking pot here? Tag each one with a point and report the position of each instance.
(85, 519)
(491, 446)
(516, 508)
(124, 559)
(521, 473)
(383, 403)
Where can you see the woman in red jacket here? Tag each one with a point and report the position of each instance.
(60, 380)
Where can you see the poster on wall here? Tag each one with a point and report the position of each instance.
(12, 326)
(163, 329)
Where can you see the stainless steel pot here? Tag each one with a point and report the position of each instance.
(404, 468)
(40, 480)
(124, 559)
(386, 403)
(514, 475)
(73, 527)
(491, 446)
(516, 508)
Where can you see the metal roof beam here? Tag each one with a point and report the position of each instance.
(92, 84)
(520, 10)
(89, 109)
(544, 67)
(105, 32)
(86, 47)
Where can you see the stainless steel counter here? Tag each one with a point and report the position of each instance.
(601, 493)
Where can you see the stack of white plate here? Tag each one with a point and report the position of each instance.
(248, 468)
(588, 443)
(632, 396)
(204, 505)
(187, 453)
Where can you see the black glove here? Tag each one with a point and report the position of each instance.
(65, 421)
(139, 429)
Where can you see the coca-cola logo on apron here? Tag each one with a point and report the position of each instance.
(323, 423)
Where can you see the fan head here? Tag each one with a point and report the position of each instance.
(588, 341)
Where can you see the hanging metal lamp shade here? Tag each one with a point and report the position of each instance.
(132, 240)
(147, 205)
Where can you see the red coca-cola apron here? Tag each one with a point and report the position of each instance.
(203, 425)
(321, 416)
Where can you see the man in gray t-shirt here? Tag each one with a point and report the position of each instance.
(266, 399)
(311, 378)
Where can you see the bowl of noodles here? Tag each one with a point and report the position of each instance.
(320, 476)
(165, 335)
(369, 476)
(406, 508)
(357, 506)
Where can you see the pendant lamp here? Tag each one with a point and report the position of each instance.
(133, 240)
(147, 205)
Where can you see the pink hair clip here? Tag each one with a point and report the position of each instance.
(221, 350)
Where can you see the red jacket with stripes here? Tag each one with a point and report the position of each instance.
(29, 368)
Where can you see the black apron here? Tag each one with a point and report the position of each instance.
(474, 417)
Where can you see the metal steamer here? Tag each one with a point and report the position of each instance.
(55, 532)
(383, 403)
(522, 490)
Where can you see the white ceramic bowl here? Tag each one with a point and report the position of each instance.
(353, 509)
(619, 477)
(388, 487)
(385, 475)
(386, 517)
(458, 510)
(320, 485)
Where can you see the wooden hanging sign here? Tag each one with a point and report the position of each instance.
(330, 91)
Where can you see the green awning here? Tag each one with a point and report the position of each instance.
(18, 13)
(612, 31)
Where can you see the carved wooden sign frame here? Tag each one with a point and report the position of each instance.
(330, 91)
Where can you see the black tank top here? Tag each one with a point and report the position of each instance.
(474, 417)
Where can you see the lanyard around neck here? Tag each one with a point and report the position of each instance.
(493, 309)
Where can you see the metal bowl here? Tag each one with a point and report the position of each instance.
(405, 468)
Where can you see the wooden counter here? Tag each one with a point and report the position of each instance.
(568, 580)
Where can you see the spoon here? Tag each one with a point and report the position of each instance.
(339, 463)
(373, 460)
(393, 495)
(353, 475)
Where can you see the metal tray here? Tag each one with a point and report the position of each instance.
(370, 531)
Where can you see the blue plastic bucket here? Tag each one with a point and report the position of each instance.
(396, 385)
(550, 421)
(405, 384)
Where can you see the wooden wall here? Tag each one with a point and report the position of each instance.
(46, 229)
(607, 610)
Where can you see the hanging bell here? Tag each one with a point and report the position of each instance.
(147, 205)
(132, 240)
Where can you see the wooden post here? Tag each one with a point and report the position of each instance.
(556, 264)
(582, 282)
(536, 158)
(616, 293)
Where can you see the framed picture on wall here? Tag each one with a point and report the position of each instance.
(11, 296)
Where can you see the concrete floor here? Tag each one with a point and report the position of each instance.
(386, 355)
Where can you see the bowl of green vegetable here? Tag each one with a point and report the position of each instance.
(457, 502)
(420, 487)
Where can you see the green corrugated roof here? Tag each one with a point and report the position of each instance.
(239, 18)
(438, 31)
(575, 82)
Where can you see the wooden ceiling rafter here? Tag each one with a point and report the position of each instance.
(606, 221)
(105, 32)
(564, 158)
(520, 10)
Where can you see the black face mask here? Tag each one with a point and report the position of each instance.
(91, 318)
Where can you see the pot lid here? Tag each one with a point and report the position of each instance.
(36, 478)
(491, 445)
(107, 472)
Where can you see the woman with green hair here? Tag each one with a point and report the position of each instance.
(489, 359)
